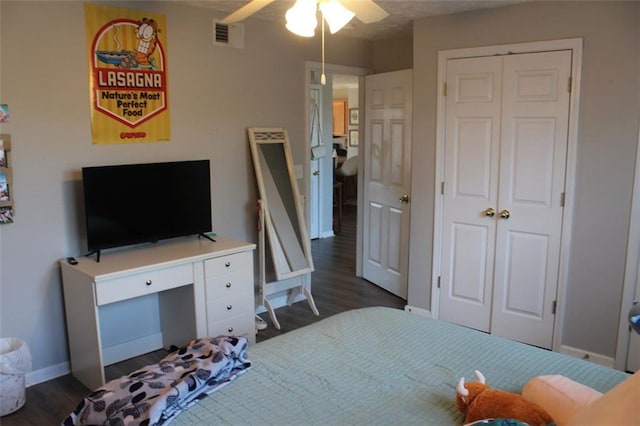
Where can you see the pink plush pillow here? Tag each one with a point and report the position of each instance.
(560, 396)
(619, 406)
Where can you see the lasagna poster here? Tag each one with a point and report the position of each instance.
(128, 75)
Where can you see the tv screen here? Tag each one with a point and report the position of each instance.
(137, 203)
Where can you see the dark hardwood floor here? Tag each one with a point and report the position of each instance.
(335, 289)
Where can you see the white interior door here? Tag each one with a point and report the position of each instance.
(533, 159)
(315, 126)
(628, 347)
(387, 180)
(633, 357)
(472, 144)
(505, 159)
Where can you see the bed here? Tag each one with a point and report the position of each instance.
(378, 366)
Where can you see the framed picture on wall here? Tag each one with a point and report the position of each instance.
(353, 138)
(354, 116)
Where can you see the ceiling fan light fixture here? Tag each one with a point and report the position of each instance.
(301, 18)
(336, 14)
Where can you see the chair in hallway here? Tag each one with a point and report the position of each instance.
(348, 175)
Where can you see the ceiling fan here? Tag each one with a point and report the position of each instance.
(302, 16)
(366, 11)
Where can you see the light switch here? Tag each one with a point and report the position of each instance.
(299, 171)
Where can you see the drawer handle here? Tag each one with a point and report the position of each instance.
(227, 264)
(230, 329)
(148, 282)
(228, 285)
(229, 307)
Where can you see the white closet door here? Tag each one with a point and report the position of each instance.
(532, 173)
(470, 190)
(505, 159)
(633, 358)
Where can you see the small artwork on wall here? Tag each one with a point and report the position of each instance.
(6, 215)
(4, 188)
(4, 113)
(354, 116)
(353, 138)
(6, 197)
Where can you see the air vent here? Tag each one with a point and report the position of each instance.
(222, 33)
(228, 35)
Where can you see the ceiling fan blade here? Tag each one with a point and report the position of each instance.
(366, 10)
(245, 11)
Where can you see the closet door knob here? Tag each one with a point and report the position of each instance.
(228, 285)
(148, 282)
(505, 214)
(490, 212)
(227, 264)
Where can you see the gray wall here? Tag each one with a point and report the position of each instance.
(215, 93)
(608, 131)
(393, 54)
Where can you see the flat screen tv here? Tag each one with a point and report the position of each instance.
(137, 203)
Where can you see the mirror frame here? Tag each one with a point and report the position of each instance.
(281, 202)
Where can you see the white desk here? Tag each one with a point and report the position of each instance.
(202, 288)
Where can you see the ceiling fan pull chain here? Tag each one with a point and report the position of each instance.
(323, 79)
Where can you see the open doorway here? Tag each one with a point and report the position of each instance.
(345, 142)
(326, 153)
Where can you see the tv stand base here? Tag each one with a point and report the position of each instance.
(96, 252)
(207, 237)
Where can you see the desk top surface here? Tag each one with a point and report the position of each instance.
(152, 256)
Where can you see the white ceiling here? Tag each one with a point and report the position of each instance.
(399, 21)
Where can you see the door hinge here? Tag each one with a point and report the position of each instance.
(444, 89)
(554, 307)
(442, 188)
(438, 281)
(562, 199)
(569, 85)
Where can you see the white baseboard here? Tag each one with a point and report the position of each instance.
(47, 373)
(327, 234)
(110, 355)
(599, 359)
(418, 311)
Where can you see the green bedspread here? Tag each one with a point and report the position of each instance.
(378, 366)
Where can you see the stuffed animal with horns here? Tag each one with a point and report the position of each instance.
(479, 402)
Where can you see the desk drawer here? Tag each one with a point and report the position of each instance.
(143, 283)
(229, 284)
(228, 264)
(225, 307)
(239, 325)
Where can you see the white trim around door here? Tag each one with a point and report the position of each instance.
(631, 273)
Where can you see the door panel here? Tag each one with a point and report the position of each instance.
(394, 256)
(527, 255)
(398, 150)
(469, 269)
(375, 231)
(374, 158)
(533, 140)
(532, 172)
(470, 188)
(387, 178)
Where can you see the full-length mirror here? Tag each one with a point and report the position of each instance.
(283, 214)
(282, 220)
